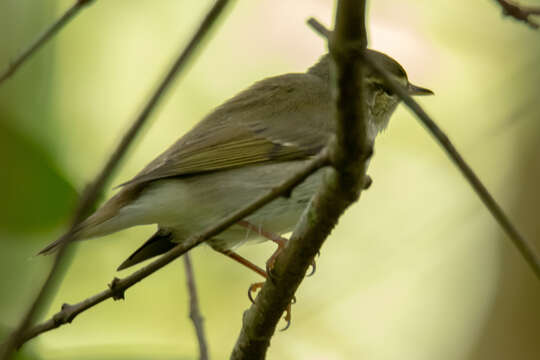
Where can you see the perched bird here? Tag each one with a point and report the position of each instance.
(246, 146)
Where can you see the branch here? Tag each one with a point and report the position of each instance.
(341, 188)
(119, 286)
(194, 312)
(93, 191)
(43, 38)
(319, 28)
(519, 12)
(526, 248)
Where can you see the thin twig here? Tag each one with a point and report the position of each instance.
(526, 248)
(43, 38)
(194, 312)
(341, 188)
(93, 191)
(519, 12)
(119, 286)
(318, 27)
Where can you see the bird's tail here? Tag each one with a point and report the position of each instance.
(159, 243)
(96, 225)
(55, 245)
(113, 216)
(104, 221)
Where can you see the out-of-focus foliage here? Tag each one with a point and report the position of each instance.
(36, 193)
(416, 270)
(36, 197)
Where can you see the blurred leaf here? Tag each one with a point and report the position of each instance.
(35, 194)
(27, 93)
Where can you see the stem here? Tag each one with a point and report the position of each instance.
(93, 191)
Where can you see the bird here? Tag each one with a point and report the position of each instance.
(240, 150)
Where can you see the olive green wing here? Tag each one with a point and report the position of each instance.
(256, 127)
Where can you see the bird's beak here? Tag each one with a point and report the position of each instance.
(417, 90)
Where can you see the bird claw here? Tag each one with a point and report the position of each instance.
(270, 266)
(281, 242)
(252, 289)
(272, 260)
(313, 268)
(256, 286)
(287, 316)
(367, 182)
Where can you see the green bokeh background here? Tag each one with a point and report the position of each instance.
(416, 270)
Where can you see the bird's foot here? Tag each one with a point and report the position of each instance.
(255, 287)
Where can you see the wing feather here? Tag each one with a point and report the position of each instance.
(252, 128)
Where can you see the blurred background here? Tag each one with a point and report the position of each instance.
(417, 269)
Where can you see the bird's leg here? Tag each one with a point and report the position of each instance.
(279, 240)
(255, 286)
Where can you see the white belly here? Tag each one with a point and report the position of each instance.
(188, 206)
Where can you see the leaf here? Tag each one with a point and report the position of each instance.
(35, 195)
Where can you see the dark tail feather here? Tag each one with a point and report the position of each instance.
(158, 244)
(52, 247)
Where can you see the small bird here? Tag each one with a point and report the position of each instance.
(246, 146)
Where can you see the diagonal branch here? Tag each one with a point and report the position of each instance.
(119, 286)
(341, 187)
(194, 312)
(526, 249)
(519, 12)
(43, 38)
(93, 191)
